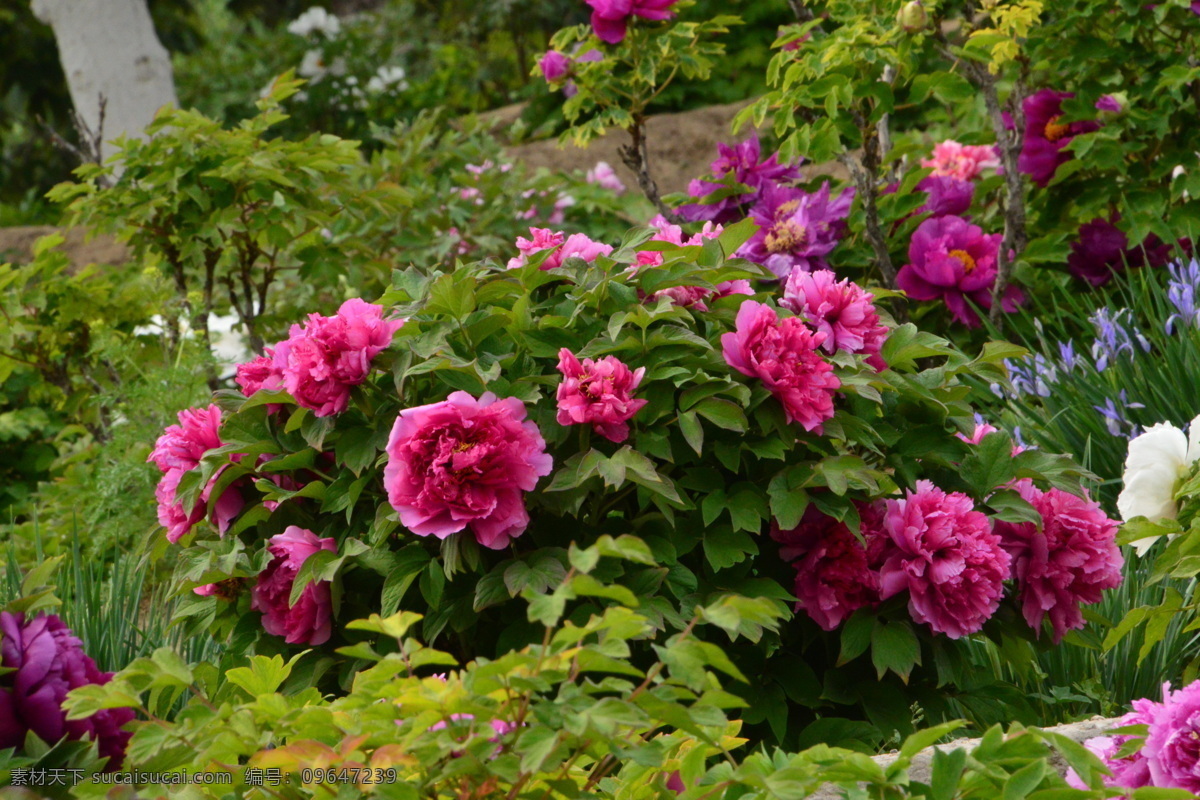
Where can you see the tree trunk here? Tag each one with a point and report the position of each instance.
(109, 51)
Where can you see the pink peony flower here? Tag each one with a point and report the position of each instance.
(562, 247)
(182, 446)
(951, 259)
(47, 661)
(309, 621)
(321, 361)
(1172, 749)
(982, 429)
(842, 310)
(260, 374)
(605, 176)
(555, 66)
(1130, 772)
(962, 161)
(465, 462)
(172, 514)
(610, 18)
(1069, 562)
(599, 393)
(579, 245)
(180, 449)
(783, 354)
(833, 577)
(944, 553)
(1046, 137)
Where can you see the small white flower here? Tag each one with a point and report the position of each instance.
(1156, 461)
(386, 78)
(316, 19)
(314, 67)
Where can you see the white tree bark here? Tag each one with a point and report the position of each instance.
(109, 50)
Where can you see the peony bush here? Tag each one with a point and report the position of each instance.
(438, 451)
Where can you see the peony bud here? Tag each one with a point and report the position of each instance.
(912, 17)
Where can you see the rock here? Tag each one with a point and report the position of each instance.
(16, 246)
(681, 145)
(922, 764)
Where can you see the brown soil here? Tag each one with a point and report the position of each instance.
(16, 246)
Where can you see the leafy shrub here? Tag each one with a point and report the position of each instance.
(569, 716)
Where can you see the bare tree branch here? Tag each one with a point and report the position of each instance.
(636, 156)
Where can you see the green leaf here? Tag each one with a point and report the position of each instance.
(856, 636)
(1025, 780)
(264, 675)
(894, 647)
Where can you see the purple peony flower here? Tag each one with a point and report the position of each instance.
(610, 18)
(796, 229)
(784, 355)
(833, 577)
(465, 462)
(740, 164)
(1046, 136)
(1101, 250)
(947, 195)
(309, 621)
(951, 259)
(47, 662)
(1172, 749)
(943, 552)
(1064, 563)
(842, 310)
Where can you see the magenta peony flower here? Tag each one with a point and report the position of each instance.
(944, 553)
(1172, 749)
(842, 310)
(260, 374)
(465, 462)
(610, 18)
(1130, 772)
(310, 620)
(555, 66)
(1109, 103)
(833, 577)
(796, 229)
(182, 446)
(605, 176)
(1042, 150)
(947, 196)
(599, 393)
(782, 353)
(323, 359)
(1069, 562)
(47, 661)
(740, 164)
(951, 259)
(962, 161)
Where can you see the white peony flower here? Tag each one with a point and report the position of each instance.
(1157, 459)
(316, 19)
